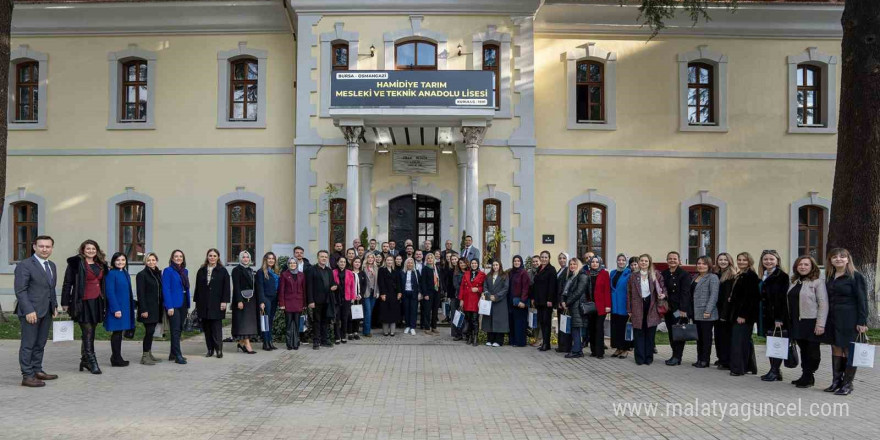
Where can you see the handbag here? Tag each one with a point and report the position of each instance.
(195, 320)
(793, 359)
(684, 332)
(587, 307)
(662, 306)
(485, 307)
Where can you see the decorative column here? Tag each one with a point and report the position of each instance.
(461, 161)
(473, 137)
(365, 163)
(352, 134)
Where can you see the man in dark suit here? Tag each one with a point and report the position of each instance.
(319, 292)
(35, 280)
(470, 252)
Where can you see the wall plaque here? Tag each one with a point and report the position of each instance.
(409, 162)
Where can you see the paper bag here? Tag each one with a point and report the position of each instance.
(357, 311)
(565, 324)
(533, 318)
(458, 319)
(62, 331)
(777, 347)
(485, 307)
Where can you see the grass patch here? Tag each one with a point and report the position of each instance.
(12, 330)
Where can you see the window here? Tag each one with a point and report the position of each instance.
(243, 90)
(591, 229)
(24, 229)
(701, 94)
(811, 230)
(241, 220)
(132, 231)
(701, 232)
(27, 84)
(809, 101)
(134, 91)
(590, 81)
(491, 56)
(340, 56)
(415, 55)
(491, 224)
(336, 211)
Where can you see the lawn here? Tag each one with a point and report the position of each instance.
(12, 330)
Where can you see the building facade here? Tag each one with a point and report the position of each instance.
(153, 126)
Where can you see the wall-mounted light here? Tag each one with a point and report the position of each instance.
(459, 49)
(446, 148)
(372, 51)
(381, 148)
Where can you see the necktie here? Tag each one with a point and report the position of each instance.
(49, 272)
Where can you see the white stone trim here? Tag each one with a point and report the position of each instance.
(811, 199)
(116, 60)
(225, 199)
(328, 39)
(440, 7)
(504, 198)
(306, 179)
(447, 205)
(524, 179)
(827, 93)
(608, 59)
(19, 55)
(223, 74)
(591, 196)
(113, 218)
(306, 83)
(414, 32)
(524, 85)
(492, 36)
(719, 62)
(703, 198)
(678, 154)
(6, 241)
(324, 218)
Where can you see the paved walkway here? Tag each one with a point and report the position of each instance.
(409, 387)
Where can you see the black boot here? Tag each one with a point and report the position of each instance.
(808, 381)
(91, 359)
(266, 346)
(220, 352)
(837, 367)
(847, 387)
(774, 374)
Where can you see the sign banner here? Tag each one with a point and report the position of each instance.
(412, 88)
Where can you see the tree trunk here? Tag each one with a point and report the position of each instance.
(5, 25)
(855, 206)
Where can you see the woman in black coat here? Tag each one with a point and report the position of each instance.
(744, 303)
(774, 290)
(245, 311)
(544, 297)
(82, 296)
(389, 299)
(563, 339)
(149, 304)
(211, 296)
(847, 315)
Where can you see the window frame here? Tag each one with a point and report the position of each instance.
(710, 85)
(245, 82)
(33, 88)
(816, 88)
(331, 221)
(122, 224)
(496, 69)
(486, 224)
(24, 54)
(608, 59)
(31, 207)
(225, 91)
(116, 114)
(241, 226)
(137, 83)
(818, 229)
(828, 90)
(590, 226)
(719, 109)
(712, 250)
(415, 65)
(587, 84)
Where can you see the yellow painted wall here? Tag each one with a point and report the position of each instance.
(186, 93)
(647, 96)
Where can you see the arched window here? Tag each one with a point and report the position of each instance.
(243, 90)
(491, 62)
(134, 91)
(241, 228)
(491, 224)
(591, 229)
(701, 94)
(590, 91)
(415, 55)
(340, 56)
(702, 237)
(24, 229)
(27, 84)
(336, 212)
(811, 232)
(809, 99)
(132, 230)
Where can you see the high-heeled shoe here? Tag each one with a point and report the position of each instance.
(118, 362)
(241, 347)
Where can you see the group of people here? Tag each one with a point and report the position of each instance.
(725, 297)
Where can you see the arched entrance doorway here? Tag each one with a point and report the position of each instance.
(414, 217)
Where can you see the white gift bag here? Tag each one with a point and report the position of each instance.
(458, 319)
(565, 324)
(533, 318)
(62, 331)
(485, 307)
(357, 311)
(861, 354)
(777, 347)
(606, 327)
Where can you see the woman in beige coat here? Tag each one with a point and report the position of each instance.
(807, 303)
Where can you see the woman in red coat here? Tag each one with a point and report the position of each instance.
(469, 294)
(598, 291)
(291, 300)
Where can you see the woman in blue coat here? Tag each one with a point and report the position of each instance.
(266, 283)
(176, 299)
(619, 317)
(120, 306)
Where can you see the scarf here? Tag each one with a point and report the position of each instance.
(436, 278)
(184, 279)
(473, 274)
(567, 257)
